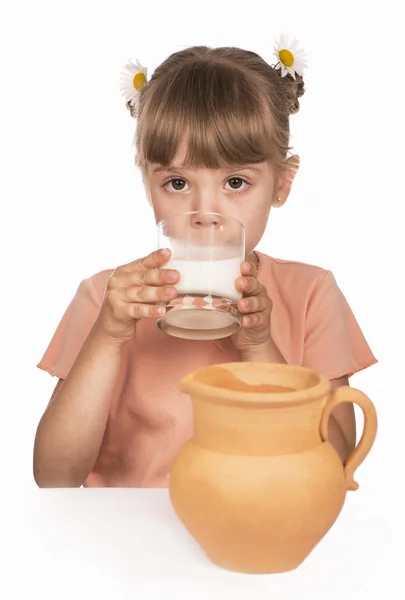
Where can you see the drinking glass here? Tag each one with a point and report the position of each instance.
(207, 249)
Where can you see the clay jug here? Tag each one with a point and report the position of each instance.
(259, 485)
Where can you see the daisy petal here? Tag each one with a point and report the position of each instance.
(299, 56)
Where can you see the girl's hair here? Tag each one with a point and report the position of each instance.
(227, 104)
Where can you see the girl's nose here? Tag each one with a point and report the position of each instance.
(206, 219)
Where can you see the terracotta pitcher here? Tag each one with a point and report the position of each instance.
(259, 485)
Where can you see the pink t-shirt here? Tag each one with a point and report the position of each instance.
(311, 324)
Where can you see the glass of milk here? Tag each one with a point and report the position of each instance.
(207, 249)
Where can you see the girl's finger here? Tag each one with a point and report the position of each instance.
(158, 277)
(252, 304)
(141, 295)
(248, 268)
(145, 311)
(154, 260)
(148, 294)
(250, 286)
(255, 320)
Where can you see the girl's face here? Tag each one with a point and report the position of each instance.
(245, 193)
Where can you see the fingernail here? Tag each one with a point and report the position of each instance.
(244, 304)
(168, 291)
(172, 275)
(244, 283)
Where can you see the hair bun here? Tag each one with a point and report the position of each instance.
(293, 90)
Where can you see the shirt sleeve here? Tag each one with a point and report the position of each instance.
(334, 343)
(72, 331)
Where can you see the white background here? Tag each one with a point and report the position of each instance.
(72, 203)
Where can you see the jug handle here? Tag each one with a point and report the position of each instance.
(348, 394)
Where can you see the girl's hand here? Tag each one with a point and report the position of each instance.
(132, 293)
(255, 307)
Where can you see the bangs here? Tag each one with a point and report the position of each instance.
(214, 109)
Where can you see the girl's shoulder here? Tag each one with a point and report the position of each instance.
(285, 272)
(288, 264)
(98, 282)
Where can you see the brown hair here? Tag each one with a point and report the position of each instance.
(231, 105)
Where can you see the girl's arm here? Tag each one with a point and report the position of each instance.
(70, 433)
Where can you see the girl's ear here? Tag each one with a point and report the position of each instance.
(285, 180)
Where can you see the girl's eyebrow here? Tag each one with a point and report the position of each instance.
(172, 169)
(166, 169)
(252, 167)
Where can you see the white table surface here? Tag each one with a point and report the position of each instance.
(128, 543)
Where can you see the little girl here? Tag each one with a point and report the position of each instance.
(212, 135)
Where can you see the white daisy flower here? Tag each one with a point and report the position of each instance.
(133, 78)
(290, 58)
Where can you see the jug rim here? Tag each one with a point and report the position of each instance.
(215, 394)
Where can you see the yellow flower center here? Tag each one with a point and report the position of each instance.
(286, 57)
(139, 81)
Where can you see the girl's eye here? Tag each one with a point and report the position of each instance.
(237, 184)
(177, 185)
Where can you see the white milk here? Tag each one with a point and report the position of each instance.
(208, 277)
